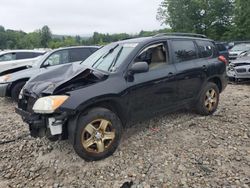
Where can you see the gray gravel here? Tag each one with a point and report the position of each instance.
(177, 150)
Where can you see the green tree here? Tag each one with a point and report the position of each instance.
(78, 39)
(210, 17)
(46, 36)
(241, 27)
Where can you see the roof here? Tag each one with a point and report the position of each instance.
(73, 47)
(15, 51)
(153, 38)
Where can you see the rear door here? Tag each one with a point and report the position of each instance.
(208, 54)
(189, 68)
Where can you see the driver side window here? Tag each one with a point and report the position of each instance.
(155, 55)
(57, 58)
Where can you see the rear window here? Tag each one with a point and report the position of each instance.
(184, 50)
(206, 49)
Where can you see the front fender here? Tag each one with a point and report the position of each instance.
(110, 89)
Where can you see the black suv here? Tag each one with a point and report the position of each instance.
(122, 83)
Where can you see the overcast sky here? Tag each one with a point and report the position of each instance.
(80, 16)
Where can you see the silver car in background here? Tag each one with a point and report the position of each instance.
(239, 69)
(238, 50)
(16, 60)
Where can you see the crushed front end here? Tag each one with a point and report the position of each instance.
(238, 71)
(51, 124)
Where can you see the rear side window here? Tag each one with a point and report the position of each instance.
(184, 50)
(24, 55)
(36, 54)
(79, 54)
(206, 49)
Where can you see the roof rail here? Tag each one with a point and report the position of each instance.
(181, 34)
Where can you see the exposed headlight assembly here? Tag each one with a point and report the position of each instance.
(5, 78)
(47, 105)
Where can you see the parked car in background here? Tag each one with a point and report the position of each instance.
(11, 84)
(239, 69)
(122, 83)
(237, 50)
(16, 60)
(223, 50)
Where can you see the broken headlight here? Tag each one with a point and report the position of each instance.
(5, 78)
(47, 105)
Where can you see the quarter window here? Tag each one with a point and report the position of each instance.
(206, 49)
(184, 50)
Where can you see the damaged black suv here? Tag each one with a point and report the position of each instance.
(122, 83)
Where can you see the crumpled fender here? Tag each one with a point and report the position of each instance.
(49, 81)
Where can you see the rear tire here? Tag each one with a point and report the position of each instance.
(15, 91)
(97, 134)
(208, 100)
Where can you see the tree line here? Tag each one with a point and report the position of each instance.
(226, 20)
(222, 20)
(43, 38)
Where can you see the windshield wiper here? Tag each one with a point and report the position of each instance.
(104, 56)
(109, 52)
(116, 59)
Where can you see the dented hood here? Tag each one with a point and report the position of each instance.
(46, 83)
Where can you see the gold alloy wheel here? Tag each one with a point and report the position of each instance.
(211, 99)
(98, 136)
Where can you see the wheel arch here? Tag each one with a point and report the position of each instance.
(217, 81)
(109, 104)
(14, 83)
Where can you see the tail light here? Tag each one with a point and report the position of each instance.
(223, 59)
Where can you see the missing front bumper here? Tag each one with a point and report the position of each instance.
(3, 90)
(40, 125)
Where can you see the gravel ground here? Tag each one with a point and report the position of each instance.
(177, 150)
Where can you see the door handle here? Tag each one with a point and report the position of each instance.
(204, 67)
(170, 75)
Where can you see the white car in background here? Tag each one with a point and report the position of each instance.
(16, 60)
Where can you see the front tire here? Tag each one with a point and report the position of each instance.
(15, 91)
(208, 100)
(98, 134)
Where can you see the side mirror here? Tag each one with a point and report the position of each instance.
(139, 67)
(45, 65)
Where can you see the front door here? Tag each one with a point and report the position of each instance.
(153, 91)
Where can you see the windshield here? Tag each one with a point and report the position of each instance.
(110, 57)
(241, 47)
